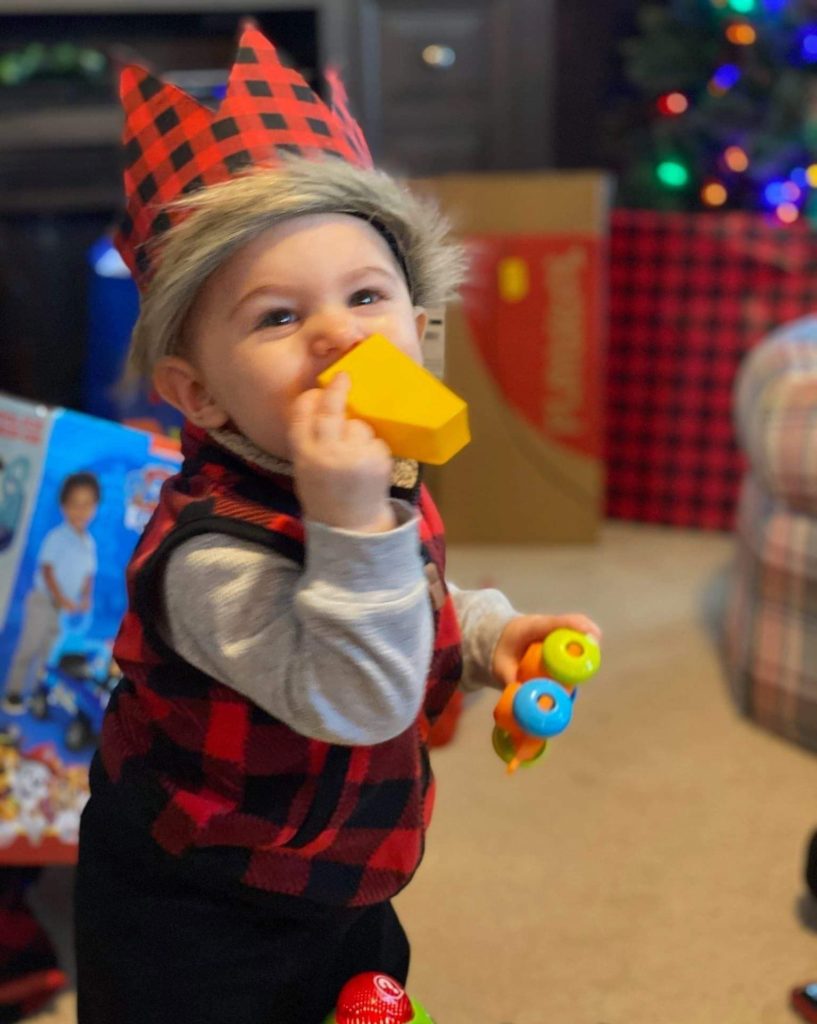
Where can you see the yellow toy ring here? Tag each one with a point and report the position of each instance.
(571, 657)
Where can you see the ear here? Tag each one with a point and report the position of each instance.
(421, 321)
(179, 384)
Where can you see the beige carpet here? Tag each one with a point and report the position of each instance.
(649, 871)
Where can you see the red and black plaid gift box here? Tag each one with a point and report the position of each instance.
(689, 295)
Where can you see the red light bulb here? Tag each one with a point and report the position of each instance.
(672, 104)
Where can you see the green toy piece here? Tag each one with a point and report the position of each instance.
(420, 1017)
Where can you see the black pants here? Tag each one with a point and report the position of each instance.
(155, 949)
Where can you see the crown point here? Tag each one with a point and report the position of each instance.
(253, 40)
(131, 79)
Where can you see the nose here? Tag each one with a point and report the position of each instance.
(333, 331)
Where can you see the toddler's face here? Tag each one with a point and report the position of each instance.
(285, 307)
(79, 508)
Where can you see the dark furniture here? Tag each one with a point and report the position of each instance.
(439, 85)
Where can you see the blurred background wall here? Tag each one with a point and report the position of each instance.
(449, 85)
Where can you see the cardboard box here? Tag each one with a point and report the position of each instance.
(526, 351)
(46, 746)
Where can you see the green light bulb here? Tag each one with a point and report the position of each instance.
(743, 6)
(672, 174)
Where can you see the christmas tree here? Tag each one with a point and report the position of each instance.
(724, 111)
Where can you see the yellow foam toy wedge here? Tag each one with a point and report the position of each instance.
(406, 406)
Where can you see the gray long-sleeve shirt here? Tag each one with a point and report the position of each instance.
(340, 649)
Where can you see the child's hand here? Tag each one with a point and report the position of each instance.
(525, 630)
(342, 471)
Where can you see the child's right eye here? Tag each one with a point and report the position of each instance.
(276, 318)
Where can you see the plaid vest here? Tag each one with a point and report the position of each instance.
(222, 785)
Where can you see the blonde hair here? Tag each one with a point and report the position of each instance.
(222, 218)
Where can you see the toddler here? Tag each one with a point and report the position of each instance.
(263, 788)
(64, 582)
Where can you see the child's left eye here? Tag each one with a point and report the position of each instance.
(365, 297)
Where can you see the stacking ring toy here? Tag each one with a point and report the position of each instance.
(537, 720)
(539, 704)
(571, 657)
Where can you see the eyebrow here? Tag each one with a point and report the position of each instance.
(278, 289)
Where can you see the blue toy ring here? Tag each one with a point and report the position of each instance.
(536, 720)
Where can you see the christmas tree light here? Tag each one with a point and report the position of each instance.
(735, 159)
(672, 104)
(747, 71)
(799, 176)
(672, 173)
(741, 34)
(783, 196)
(714, 194)
(808, 44)
(724, 78)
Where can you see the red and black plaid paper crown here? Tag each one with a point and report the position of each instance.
(175, 145)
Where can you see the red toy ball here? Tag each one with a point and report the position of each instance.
(373, 998)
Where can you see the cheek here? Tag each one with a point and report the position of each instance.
(236, 378)
(266, 384)
(401, 331)
(410, 343)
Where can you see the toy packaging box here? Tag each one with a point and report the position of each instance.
(59, 659)
(526, 350)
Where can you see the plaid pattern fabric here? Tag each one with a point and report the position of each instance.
(690, 295)
(776, 413)
(770, 642)
(206, 770)
(29, 976)
(175, 145)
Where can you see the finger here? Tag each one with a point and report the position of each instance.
(506, 668)
(330, 410)
(328, 426)
(380, 446)
(357, 430)
(570, 620)
(303, 408)
(582, 624)
(302, 417)
(334, 395)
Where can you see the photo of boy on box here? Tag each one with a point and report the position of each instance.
(262, 788)
(63, 582)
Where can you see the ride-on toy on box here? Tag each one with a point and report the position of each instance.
(374, 998)
(75, 690)
(539, 705)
